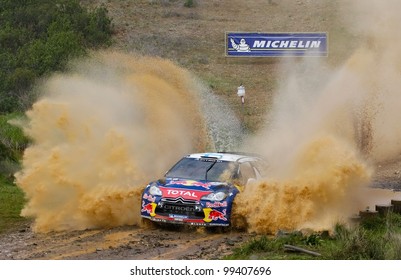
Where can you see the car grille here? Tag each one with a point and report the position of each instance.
(179, 206)
(179, 200)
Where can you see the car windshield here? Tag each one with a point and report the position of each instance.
(202, 169)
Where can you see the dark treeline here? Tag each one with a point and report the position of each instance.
(38, 37)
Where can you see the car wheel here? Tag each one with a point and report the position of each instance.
(148, 224)
(218, 230)
(238, 222)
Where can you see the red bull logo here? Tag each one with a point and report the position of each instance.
(191, 183)
(214, 215)
(217, 215)
(149, 208)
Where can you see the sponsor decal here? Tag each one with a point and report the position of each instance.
(197, 224)
(149, 197)
(180, 208)
(178, 217)
(213, 155)
(184, 193)
(276, 44)
(216, 204)
(149, 208)
(214, 215)
(191, 183)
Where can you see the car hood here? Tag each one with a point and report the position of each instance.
(194, 184)
(190, 189)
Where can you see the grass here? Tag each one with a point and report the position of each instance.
(372, 239)
(190, 3)
(11, 203)
(12, 144)
(12, 137)
(272, 248)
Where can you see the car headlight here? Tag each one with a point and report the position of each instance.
(155, 190)
(217, 196)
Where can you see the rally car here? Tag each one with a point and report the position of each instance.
(200, 189)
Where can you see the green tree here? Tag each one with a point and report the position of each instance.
(38, 37)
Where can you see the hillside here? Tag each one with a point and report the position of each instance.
(195, 39)
(322, 145)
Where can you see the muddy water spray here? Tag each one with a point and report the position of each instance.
(321, 186)
(325, 136)
(100, 134)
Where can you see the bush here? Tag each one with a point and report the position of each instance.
(11, 202)
(375, 239)
(39, 37)
(190, 3)
(12, 144)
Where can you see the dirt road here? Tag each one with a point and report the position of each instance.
(137, 29)
(128, 242)
(134, 242)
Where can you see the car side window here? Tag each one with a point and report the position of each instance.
(247, 172)
(260, 168)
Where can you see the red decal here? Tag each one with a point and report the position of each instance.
(216, 204)
(147, 208)
(149, 197)
(217, 215)
(184, 193)
(191, 183)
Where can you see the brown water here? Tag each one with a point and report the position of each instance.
(117, 121)
(322, 186)
(328, 128)
(100, 134)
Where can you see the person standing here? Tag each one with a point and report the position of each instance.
(241, 93)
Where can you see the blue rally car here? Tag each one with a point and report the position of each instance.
(200, 189)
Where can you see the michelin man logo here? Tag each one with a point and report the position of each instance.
(241, 47)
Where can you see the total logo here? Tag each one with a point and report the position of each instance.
(184, 193)
(181, 193)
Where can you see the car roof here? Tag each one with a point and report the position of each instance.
(226, 156)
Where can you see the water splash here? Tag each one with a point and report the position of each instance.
(100, 134)
(225, 129)
(327, 130)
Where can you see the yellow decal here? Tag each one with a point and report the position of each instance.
(207, 212)
(153, 209)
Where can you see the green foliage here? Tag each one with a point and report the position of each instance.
(12, 136)
(265, 247)
(11, 202)
(190, 3)
(38, 37)
(12, 144)
(313, 239)
(358, 243)
(378, 238)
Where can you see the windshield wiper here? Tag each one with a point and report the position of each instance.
(208, 169)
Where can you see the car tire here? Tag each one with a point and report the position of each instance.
(218, 230)
(239, 222)
(148, 224)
